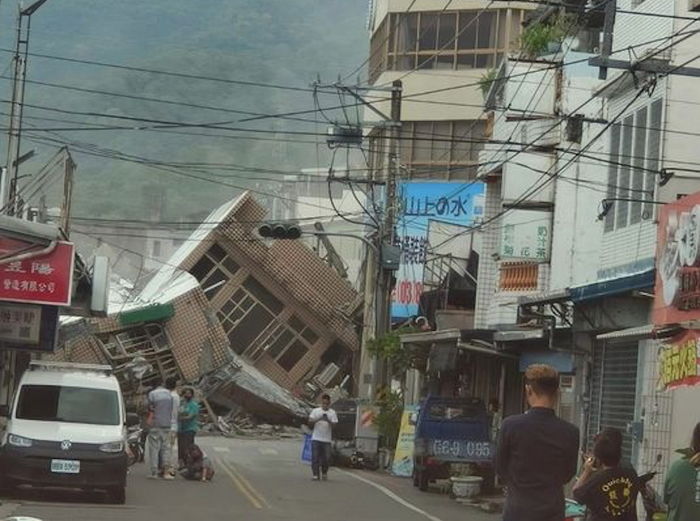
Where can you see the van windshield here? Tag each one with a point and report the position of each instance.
(68, 404)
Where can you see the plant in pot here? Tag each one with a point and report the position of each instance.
(547, 36)
(487, 80)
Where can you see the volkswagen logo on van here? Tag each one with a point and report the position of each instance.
(66, 445)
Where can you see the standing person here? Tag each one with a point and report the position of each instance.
(607, 488)
(322, 418)
(496, 418)
(163, 429)
(169, 468)
(189, 423)
(682, 487)
(537, 452)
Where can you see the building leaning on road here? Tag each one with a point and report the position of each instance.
(227, 301)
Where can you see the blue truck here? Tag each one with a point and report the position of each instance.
(452, 431)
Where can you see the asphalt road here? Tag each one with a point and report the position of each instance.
(255, 480)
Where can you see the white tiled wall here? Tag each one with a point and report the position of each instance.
(488, 267)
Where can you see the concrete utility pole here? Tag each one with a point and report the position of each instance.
(389, 225)
(14, 157)
(378, 279)
(382, 257)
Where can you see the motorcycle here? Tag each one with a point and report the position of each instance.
(135, 446)
(653, 503)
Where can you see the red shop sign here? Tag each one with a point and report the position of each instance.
(44, 279)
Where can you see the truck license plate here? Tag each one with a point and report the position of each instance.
(65, 466)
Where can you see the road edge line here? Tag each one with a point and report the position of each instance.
(391, 495)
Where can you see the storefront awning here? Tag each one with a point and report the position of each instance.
(147, 314)
(468, 346)
(550, 297)
(611, 287)
(518, 335)
(638, 333)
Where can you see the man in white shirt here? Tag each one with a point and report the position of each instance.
(322, 418)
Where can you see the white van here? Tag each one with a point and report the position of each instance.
(66, 428)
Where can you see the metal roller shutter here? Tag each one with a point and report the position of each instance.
(613, 391)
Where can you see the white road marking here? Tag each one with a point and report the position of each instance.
(391, 495)
(221, 449)
(268, 452)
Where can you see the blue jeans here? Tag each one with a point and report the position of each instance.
(320, 457)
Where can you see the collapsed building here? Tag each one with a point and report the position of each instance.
(260, 325)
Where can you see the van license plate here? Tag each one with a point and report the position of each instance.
(65, 466)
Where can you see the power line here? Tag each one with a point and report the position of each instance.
(133, 68)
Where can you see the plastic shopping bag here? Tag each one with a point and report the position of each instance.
(306, 449)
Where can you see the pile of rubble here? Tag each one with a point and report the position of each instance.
(237, 423)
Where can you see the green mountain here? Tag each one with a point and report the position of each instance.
(282, 42)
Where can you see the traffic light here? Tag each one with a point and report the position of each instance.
(279, 231)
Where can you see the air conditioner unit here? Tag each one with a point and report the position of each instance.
(327, 375)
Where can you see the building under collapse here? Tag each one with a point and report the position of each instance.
(261, 323)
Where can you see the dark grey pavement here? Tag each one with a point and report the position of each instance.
(260, 480)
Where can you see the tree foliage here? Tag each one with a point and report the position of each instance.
(388, 420)
(399, 357)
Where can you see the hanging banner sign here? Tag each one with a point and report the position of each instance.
(679, 361)
(403, 456)
(677, 292)
(456, 203)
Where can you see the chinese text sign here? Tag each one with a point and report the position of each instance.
(45, 279)
(450, 202)
(679, 361)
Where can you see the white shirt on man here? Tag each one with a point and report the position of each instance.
(323, 430)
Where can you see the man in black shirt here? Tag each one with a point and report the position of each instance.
(608, 489)
(537, 453)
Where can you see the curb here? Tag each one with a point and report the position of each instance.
(7, 509)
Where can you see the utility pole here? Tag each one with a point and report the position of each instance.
(388, 231)
(382, 258)
(24, 24)
(378, 278)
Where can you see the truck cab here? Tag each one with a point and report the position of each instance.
(452, 431)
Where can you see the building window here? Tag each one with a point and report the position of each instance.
(449, 40)
(288, 343)
(135, 341)
(156, 249)
(635, 150)
(435, 149)
(248, 313)
(214, 269)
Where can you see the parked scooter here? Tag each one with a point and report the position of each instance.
(653, 503)
(136, 448)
